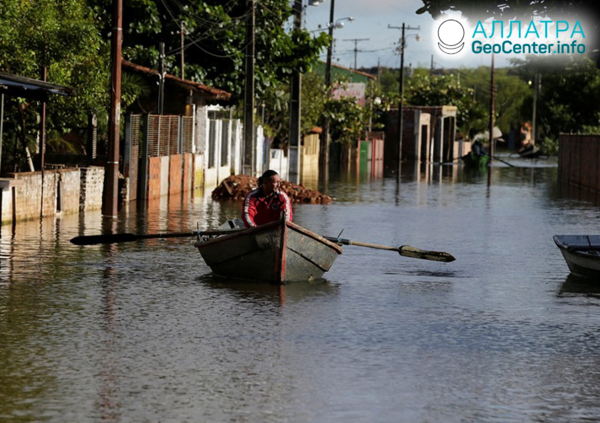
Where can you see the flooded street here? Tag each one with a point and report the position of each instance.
(141, 332)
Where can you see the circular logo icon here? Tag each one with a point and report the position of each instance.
(451, 34)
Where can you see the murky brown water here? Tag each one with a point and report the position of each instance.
(140, 331)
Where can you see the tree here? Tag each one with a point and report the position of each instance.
(73, 40)
(60, 36)
(511, 93)
(215, 37)
(568, 100)
(347, 120)
(313, 103)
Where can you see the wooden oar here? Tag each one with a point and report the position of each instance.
(452, 161)
(500, 160)
(127, 237)
(404, 250)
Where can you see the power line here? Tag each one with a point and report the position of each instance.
(356, 40)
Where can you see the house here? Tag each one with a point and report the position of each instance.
(428, 135)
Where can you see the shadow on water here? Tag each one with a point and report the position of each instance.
(433, 274)
(252, 290)
(568, 191)
(579, 286)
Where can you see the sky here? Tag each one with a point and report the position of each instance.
(371, 20)
(377, 43)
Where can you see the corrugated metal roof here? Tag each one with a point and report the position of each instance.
(210, 91)
(21, 86)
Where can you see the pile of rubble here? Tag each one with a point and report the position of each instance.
(238, 186)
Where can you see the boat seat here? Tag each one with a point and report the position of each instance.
(232, 224)
(582, 242)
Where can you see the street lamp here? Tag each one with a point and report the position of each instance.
(338, 24)
(401, 82)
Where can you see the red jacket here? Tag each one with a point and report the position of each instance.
(259, 209)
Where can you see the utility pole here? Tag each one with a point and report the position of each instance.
(248, 163)
(324, 148)
(295, 109)
(111, 181)
(43, 128)
(492, 101)
(536, 92)
(182, 31)
(401, 100)
(401, 89)
(356, 40)
(161, 78)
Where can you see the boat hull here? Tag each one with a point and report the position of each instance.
(582, 254)
(530, 152)
(472, 161)
(278, 252)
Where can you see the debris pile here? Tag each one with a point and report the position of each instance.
(238, 186)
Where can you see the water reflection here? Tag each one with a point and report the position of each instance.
(574, 192)
(108, 359)
(258, 291)
(577, 285)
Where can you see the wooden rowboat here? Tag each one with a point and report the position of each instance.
(278, 252)
(473, 161)
(530, 152)
(582, 254)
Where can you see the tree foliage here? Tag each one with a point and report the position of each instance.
(73, 40)
(61, 36)
(346, 119)
(215, 40)
(568, 96)
(511, 93)
(313, 100)
(442, 90)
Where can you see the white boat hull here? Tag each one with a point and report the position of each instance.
(582, 254)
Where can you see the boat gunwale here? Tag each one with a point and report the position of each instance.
(266, 227)
(560, 242)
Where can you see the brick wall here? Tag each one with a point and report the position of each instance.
(187, 172)
(31, 195)
(28, 196)
(175, 174)
(92, 187)
(198, 169)
(154, 172)
(68, 185)
(67, 190)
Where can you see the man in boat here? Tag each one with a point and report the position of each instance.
(266, 203)
(477, 148)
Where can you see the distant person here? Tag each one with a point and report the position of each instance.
(478, 149)
(266, 203)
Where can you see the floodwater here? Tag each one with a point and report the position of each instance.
(140, 331)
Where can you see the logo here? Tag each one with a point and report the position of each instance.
(451, 34)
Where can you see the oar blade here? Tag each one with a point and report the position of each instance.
(408, 251)
(103, 239)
